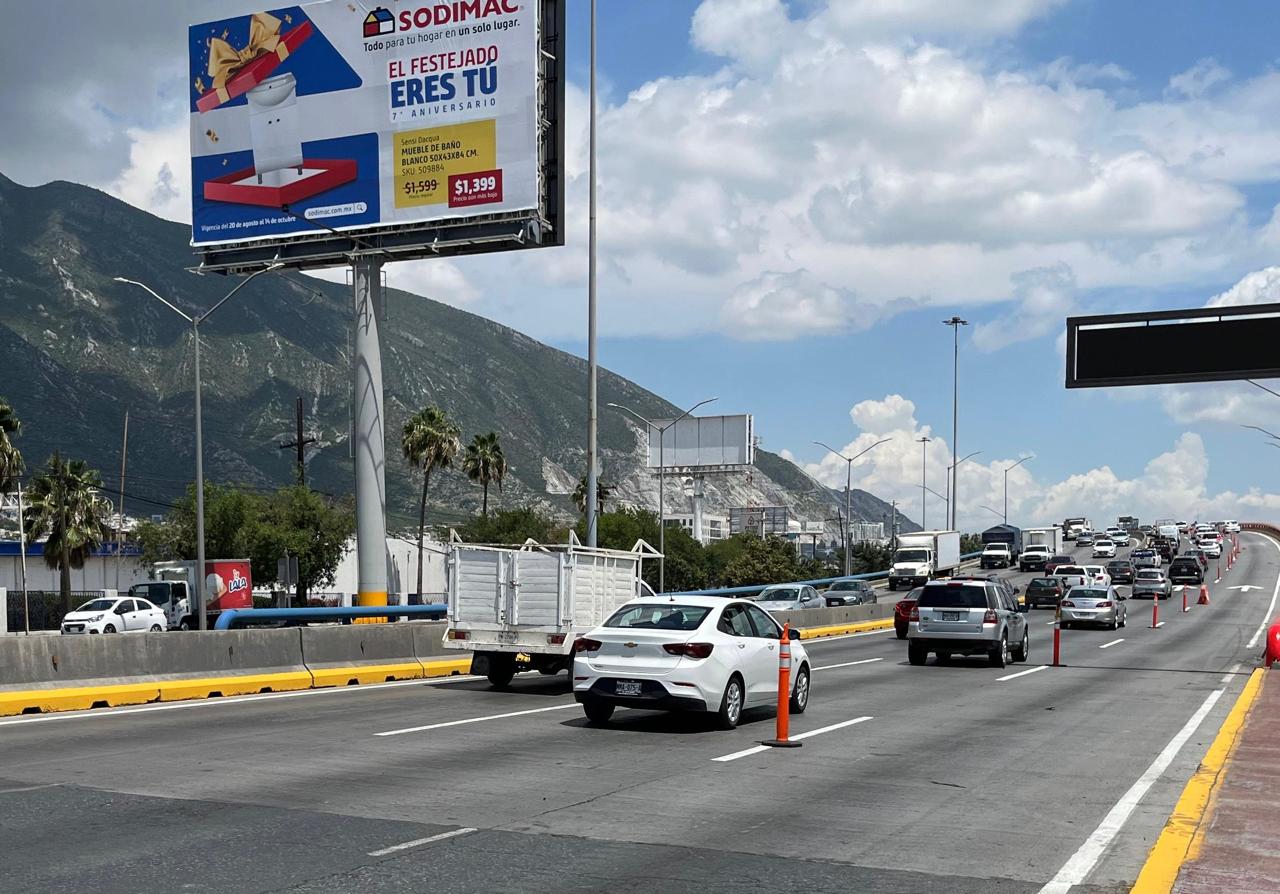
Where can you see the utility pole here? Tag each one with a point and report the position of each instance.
(22, 552)
(124, 456)
(593, 482)
(924, 495)
(299, 443)
(955, 323)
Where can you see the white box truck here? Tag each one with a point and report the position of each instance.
(922, 556)
(1049, 535)
(521, 608)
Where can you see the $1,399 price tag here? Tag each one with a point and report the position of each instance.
(476, 188)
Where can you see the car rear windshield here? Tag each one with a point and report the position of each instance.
(1044, 583)
(1120, 565)
(1151, 575)
(1069, 569)
(1180, 564)
(1062, 559)
(665, 616)
(1087, 593)
(948, 596)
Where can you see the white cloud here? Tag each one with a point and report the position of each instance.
(931, 17)
(1199, 79)
(1258, 287)
(157, 177)
(1044, 297)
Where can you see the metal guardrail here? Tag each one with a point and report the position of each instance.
(820, 582)
(244, 617)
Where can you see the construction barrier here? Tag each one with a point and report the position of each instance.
(1272, 653)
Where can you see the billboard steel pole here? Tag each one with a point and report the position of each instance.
(924, 464)
(370, 448)
(593, 482)
(953, 480)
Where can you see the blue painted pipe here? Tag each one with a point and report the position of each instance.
(820, 582)
(243, 616)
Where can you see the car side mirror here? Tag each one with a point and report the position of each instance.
(793, 635)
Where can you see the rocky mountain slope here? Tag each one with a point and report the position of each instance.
(78, 350)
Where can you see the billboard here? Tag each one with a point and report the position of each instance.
(342, 117)
(702, 443)
(760, 520)
(1209, 344)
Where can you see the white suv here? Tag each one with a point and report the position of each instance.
(968, 617)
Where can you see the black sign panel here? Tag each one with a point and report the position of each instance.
(1211, 344)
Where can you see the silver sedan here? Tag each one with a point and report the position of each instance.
(1103, 606)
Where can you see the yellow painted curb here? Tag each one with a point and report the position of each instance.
(446, 667)
(244, 684)
(1180, 840)
(77, 698)
(839, 629)
(365, 673)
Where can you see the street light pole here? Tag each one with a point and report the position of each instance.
(924, 463)
(955, 323)
(848, 486)
(1006, 485)
(593, 483)
(201, 614)
(953, 481)
(662, 475)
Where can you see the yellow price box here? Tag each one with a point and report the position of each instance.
(424, 159)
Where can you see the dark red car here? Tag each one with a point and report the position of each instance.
(1051, 565)
(902, 612)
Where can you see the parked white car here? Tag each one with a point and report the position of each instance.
(1104, 548)
(115, 616)
(686, 653)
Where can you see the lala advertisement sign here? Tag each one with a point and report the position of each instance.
(228, 583)
(345, 115)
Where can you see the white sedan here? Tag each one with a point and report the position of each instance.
(1104, 548)
(1098, 575)
(687, 653)
(108, 615)
(1210, 545)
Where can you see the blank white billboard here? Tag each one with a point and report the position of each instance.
(696, 442)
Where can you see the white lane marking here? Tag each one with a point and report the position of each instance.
(797, 737)
(101, 713)
(1051, 623)
(1231, 673)
(1082, 862)
(419, 729)
(828, 667)
(1266, 619)
(1031, 670)
(819, 640)
(1161, 624)
(417, 842)
(1114, 642)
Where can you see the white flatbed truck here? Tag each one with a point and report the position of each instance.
(521, 608)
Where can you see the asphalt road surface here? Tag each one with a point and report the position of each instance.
(960, 778)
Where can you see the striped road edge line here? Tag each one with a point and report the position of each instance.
(1180, 839)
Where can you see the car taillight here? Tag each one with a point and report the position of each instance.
(582, 644)
(555, 639)
(990, 617)
(457, 634)
(1067, 603)
(1106, 603)
(915, 614)
(689, 650)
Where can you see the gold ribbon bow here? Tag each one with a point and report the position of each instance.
(225, 60)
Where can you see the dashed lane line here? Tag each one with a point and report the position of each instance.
(1030, 670)
(747, 752)
(1114, 642)
(418, 842)
(448, 723)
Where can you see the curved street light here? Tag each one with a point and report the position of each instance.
(848, 484)
(1006, 484)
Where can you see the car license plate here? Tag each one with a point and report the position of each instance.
(951, 616)
(626, 687)
(506, 636)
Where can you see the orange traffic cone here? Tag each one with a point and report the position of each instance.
(1204, 595)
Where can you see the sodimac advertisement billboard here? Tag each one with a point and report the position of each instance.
(341, 115)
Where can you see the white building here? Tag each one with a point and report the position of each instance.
(714, 527)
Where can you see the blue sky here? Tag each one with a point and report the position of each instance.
(793, 195)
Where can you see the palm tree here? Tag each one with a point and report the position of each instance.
(10, 457)
(484, 462)
(430, 441)
(65, 508)
(603, 492)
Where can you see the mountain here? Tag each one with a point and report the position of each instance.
(78, 350)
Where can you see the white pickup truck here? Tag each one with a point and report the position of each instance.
(521, 608)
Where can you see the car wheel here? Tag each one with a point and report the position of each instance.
(597, 712)
(730, 704)
(902, 634)
(109, 628)
(502, 669)
(1115, 622)
(1024, 649)
(185, 625)
(999, 656)
(156, 628)
(944, 658)
(917, 655)
(800, 692)
(1124, 619)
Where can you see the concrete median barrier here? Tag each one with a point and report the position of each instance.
(360, 653)
(819, 622)
(233, 662)
(428, 648)
(71, 673)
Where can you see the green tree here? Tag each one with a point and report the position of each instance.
(511, 526)
(970, 543)
(300, 522)
(485, 464)
(603, 493)
(430, 440)
(10, 457)
(769, 561)
(231, 516)
(65, 508)
(686, 562)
